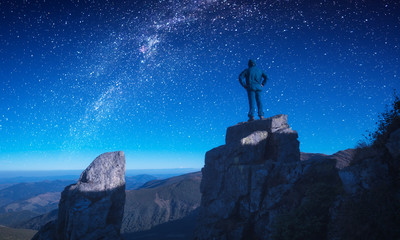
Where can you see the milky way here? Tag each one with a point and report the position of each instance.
(160, 78)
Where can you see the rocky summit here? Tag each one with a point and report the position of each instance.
(246, 180)
(259, 186)
(93, 207)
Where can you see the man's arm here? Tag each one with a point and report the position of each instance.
(264, 76)
(242, 79)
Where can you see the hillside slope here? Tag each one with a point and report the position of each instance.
(7, 233)
(161, 201)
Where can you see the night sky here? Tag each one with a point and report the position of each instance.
(159, 79)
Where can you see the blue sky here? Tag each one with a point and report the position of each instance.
(158, 79)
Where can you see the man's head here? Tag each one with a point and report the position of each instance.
(251, 63)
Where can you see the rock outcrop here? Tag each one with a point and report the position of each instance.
(93, 207)
(247, 180)
(259, 186)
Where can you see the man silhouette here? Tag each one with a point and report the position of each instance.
(253, 80)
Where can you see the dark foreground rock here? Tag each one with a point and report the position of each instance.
(259, 186)
(93, 207)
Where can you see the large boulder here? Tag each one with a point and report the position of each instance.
(93, 207)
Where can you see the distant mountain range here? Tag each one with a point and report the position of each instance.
(135, 182)
(23, 201)
(153, 206)
(16, 197)
(13, 177)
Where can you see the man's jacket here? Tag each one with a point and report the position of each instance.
(252, 78)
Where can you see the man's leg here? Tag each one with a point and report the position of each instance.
(252, 106)
(258, 96)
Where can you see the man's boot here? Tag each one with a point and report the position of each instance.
(251, 119)
(262, 117)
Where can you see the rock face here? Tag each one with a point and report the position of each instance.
(246, 181)
(93, 207)
(258, 186)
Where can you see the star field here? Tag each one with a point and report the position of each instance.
(159, 79)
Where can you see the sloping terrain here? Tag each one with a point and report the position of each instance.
(13, 219)
(161, 201)
(7, 233)
(181, 229)
(41, 203)
(24, 191)
(37, 222)
(23, 201)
